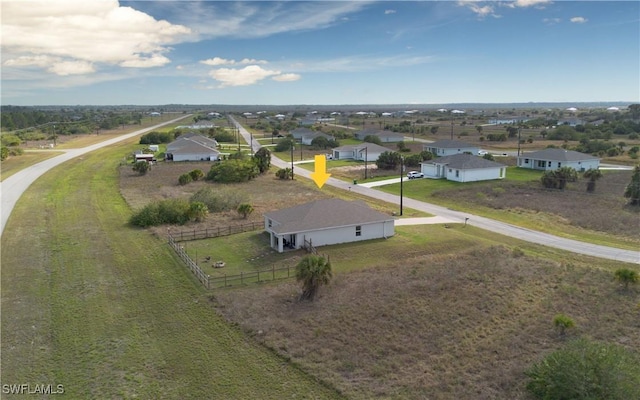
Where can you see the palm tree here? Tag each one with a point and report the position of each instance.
(593, 175)
(313, 271)
(245, 209)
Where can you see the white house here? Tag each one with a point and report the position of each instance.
(552, 159)
(360, 152)
(299, 133)
(463, 168)
(385, 136)
(192, 148)
(326, 222)
(449, 147)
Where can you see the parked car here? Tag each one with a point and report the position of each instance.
(415, 174)
(482, 153)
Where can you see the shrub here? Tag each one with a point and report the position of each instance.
(373, 139)
(173, 211)
(185, 179)
(198, 211)
(156, 138)
(284, 144)
(584, 369)
(245, 210)
(218, 200)
(196, 174)
(141, 167)
(284, 173)
(388, 160)
(233, 171)
(563, 322)
(627, 277)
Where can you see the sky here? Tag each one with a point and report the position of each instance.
(110, 52)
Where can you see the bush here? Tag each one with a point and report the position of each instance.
(156, 138)
(218, 200)
(141, 167)
(196, 174)
(284, 144)
(245, 210)
(185, 179)
(173, 211)
(388, 160)
(563, 322)
(233, 171)
(284, 173)
(585, 369)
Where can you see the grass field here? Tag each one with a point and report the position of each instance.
(17, 163)
(108, 311)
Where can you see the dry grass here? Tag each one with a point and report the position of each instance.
(602, 211)
(435, 326)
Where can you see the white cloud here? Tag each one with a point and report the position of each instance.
(286, 77)
(480, 11)
(216, 61)
(64, 68)
(387, 12)
(531, 3)
(578, 20)
(551, 21)
(246, 76)
(84, 33)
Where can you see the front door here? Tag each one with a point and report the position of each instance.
(292, 241)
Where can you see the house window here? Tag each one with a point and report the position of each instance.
(549, 163)
(457, 173)
(541, 164)
(270, 223)
(358, 230)
(526, 161)
(559, 164)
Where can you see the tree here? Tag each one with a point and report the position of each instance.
(627, 277)
(593, 175)
(245, 210)
(196, 174)
(185, 179)
(585, 369)
(479, 129)
(141, 167)
(632, 191)
(388, 160)
(563, 322)
(284, 144)
(313, 271)
(426, 155)
(263, 159)
(434, 129)
(4, 152)
(489, 157)
(198, 211)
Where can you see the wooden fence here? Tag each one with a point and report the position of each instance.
(229, 280)
(202, 277)
(181, 236)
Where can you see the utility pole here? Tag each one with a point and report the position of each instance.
(519, 129)
(292, 149)
(366, 155)
(451, 125)
(401, 176)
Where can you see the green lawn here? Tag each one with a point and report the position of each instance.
(109, 312)
(14, 164)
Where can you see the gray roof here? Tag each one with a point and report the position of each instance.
(369, 146)
(465, 161)
(450, 144)
(559, 155)
(324, 214)
(193, 144)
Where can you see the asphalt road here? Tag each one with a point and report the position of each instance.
(12, 188)
(517, 232)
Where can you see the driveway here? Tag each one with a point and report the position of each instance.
(11, 189)
(503, 228)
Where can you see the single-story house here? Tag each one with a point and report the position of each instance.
(360, 152)
(326, 222)
(192, 148)
(449, 147)
(308, 138)
(463, 168)
(299, 133)
(385, 136)
(552, 159)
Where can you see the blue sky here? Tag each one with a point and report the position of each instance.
(109, 52)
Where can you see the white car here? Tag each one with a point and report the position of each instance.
(483, 152)
(415, 174)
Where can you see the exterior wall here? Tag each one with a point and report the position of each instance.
(440, 152)
(391, 139)
(337, 235)
(342, 155)
(474, 175)
(546, 165)
(195, 157)
(430, 171)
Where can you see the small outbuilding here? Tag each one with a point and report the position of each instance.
(359, 152)
(326, 222)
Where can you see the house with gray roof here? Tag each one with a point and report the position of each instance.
(359, 152)
(192, 147)
(552, 159)
(448, 147)
(463, 168)
(384, 136)
(326, 222)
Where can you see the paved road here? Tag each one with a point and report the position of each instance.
(11, 189)
(474, 220)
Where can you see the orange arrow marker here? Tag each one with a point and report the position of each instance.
(320, 175)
